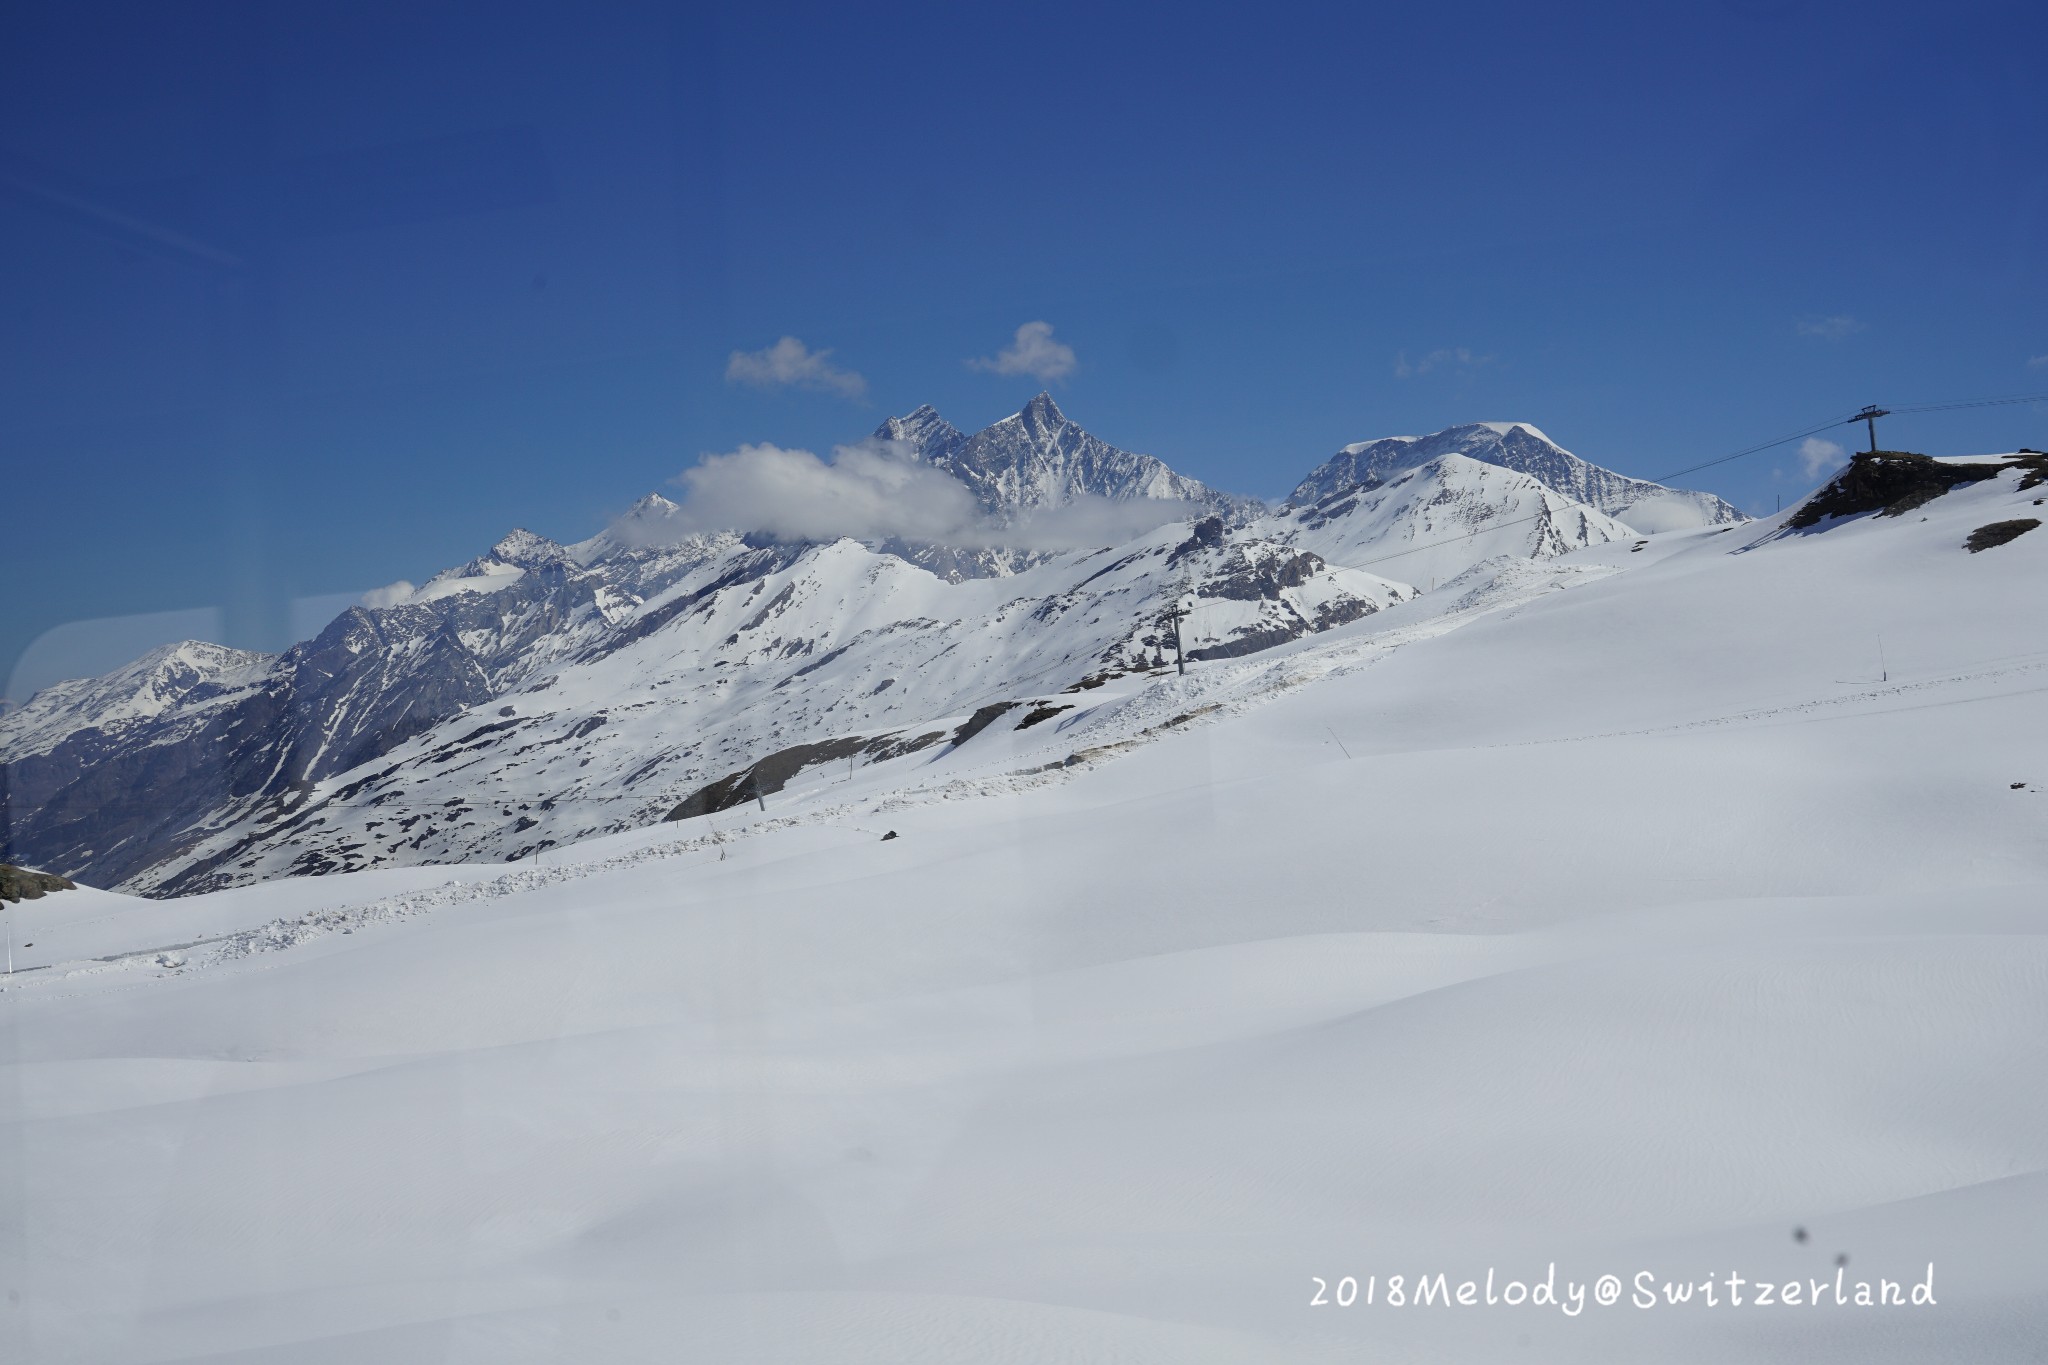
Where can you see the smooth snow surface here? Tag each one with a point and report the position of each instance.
(1628, 911)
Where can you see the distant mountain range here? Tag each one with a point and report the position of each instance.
(541, 693)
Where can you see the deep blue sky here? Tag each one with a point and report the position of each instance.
(297, 300)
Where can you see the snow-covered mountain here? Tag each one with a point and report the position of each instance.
(1428, 523)
(1038, 459)
(189, 674)
(539, 694)
(1643, 506)
(497, 718)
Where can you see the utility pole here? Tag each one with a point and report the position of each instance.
(1173, 616)
(1870, 414)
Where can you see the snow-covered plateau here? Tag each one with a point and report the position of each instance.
(1584, 902)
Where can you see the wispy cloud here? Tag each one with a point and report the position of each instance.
(2038, 362)
(1032, 352)
(390, 595)
(876, 491)
(1832, 328)
(791, 364)
(1818, 456)
(1443, 358)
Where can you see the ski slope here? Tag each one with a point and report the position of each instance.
(1626, 911)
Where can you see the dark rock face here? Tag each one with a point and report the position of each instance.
(1262, 578)
(771, 774)
(20, 884)
(981, 720)
(1999, 533)
(1888, 482)
(1206, 535)
(1250, 642)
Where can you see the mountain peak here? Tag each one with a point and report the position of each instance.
(1042, 412)
(1524, 448)
(929, 436)
(527, 550)
(1038, 458)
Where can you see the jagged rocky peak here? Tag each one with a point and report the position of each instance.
(652, 521)
(520, 551)
(1642, 505)
(922, 432)
(1038, 458)
(526, 550)
(1041, 415)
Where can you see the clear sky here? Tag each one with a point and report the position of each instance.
(296, 300)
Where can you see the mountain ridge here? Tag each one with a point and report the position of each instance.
(542, 693)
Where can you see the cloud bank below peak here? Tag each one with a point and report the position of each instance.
(877, 490)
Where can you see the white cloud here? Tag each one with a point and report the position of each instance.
(1832, 328)
(1444, 357)
(1033, 352)
(868, 491)
(877, 491)
(2038, 362)
(390, 595)
(1818, 456)
(791, 364)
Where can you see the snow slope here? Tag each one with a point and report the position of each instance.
(1430, 523)
(1620, 911)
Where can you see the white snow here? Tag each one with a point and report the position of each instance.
(166, 677)
(1621, 911)
(494, 578)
